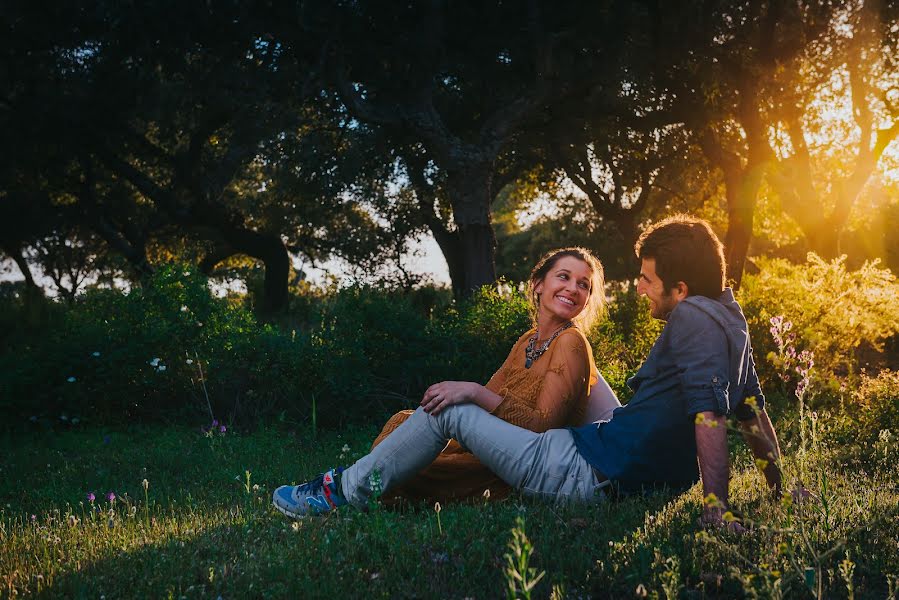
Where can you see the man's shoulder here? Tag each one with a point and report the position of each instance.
(694, 312)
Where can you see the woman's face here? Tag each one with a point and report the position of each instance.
(564, 290)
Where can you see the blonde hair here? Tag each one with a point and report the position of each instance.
(595, 305)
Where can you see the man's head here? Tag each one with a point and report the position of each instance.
(681, 256)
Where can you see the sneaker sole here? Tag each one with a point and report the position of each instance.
(289, 514)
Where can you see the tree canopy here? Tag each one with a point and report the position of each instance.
(304, 131)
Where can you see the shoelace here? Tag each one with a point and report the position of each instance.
(311, 487)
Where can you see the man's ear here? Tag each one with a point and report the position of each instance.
(680, 290)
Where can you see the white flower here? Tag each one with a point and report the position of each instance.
(95, 354)
(71, 380)
(187, 273)
(183, 308)
(345, 449)
(154, 362)
(161, 368)
(190, 361)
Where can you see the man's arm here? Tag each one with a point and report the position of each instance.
(762, 440)
(711, 450)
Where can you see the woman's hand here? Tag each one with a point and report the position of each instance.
(446, 393)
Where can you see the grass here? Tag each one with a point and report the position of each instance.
(204, 528)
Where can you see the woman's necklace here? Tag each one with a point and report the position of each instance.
(531, 353)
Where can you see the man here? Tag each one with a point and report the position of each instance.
(699, 371)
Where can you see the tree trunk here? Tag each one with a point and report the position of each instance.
(32, 289)
(451, 248)
(270, 249)
(741, 193)
(470, 194)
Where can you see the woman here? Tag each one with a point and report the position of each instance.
(543, 384)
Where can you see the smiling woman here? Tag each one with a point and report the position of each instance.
(544, 383)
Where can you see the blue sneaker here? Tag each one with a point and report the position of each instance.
(315, 497)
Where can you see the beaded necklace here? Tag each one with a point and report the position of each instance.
(531, 354)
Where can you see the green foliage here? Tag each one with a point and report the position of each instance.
(867, 428)
(842, 316)
(355, 354)
(621, 342)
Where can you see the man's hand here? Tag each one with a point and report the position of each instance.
(719, 517)
(446, 393)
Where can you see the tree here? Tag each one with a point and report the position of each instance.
(816, 190)
(453, 86)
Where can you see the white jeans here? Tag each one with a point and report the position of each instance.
(545, 465)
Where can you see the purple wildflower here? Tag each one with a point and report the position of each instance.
(91, 497)
(215, 423)
(223, 429)
(110, 496)
(33, 518)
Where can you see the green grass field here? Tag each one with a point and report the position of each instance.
(203, 527)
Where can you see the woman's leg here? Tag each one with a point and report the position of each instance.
(546, 465)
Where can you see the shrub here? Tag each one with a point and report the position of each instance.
(622, 341)
(843, 317)
(877, 399)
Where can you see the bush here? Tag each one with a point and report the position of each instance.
(158, 351)
(878, 406)
(622, 341)
(843, 317)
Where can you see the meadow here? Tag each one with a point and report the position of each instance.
(116, 482)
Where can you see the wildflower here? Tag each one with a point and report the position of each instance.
(486, 494)
(436, 507)
(91, 497)
(641, 592)
(295, 526)
(183, 308)
(161, 368)
(155, 362)
(345, 449)
(110, 496)
(186, 273)
(215, 423)
(146, 484)
(71, 380)
(255, 487)
(33, 518)
(95, 354)
(190, 361)
(728, 517)
(223, 429)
